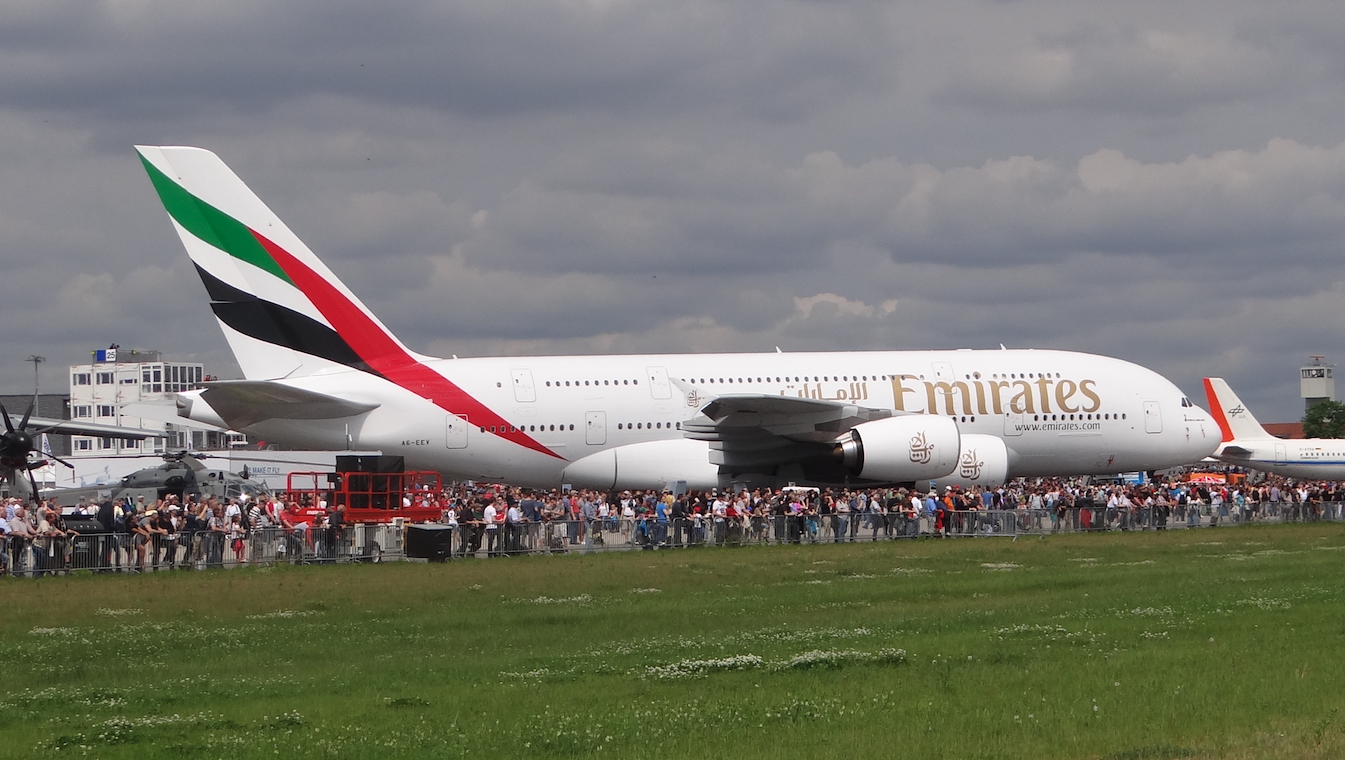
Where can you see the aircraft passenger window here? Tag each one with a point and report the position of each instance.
(1123, 415)
(605, 382)
(483, 428)
(635, 382)
(553, 428)
(679, 426)
(618, 426)
(639, 426)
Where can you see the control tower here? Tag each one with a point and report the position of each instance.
(1317, 382)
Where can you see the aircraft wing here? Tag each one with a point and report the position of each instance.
(72, 427)
(750, 430)
(246, 402)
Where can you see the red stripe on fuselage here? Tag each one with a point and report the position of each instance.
(383, 355)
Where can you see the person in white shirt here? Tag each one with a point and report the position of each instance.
(492, 530)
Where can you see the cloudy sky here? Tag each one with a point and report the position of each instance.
(1156, 181)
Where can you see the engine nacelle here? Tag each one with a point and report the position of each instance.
(652, 464)
(901, 449)
(983, 461)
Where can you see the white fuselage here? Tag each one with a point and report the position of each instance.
(1059, 413)
(1304, 458)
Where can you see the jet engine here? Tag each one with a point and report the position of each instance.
(901, 449)
(983, 461)
(652, 464)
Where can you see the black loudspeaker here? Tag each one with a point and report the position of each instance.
(348, 463)
(429, 541)
(83, 525)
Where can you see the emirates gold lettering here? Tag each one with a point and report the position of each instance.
(1022, 400)
(1043, 383)
(1023, 396)
(934, 390)
(1064, 390)
(899, 391)
(1086, 388)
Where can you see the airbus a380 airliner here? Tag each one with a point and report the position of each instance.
(321, 371)
(1248, 444)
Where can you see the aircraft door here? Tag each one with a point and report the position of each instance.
(1280, 456)
(1153, 421)
(1013, 420)
(595, 428)
(524, 390)
(659, 387)
(455, 432)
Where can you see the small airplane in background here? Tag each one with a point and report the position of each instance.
(1247, 444)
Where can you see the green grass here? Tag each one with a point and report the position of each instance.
(1191, 644)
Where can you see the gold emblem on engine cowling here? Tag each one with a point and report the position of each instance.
(970, 466)
(922, 451)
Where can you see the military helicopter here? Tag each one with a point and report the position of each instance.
(182, 473)
(19, 456)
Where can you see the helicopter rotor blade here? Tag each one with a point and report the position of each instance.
(9, 426)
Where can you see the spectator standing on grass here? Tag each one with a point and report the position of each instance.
(217, 530)
(492, 529)
(21, 540)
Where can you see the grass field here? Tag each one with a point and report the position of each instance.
(1212, 643)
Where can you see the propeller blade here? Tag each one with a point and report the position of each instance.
(24, 425)
(58, 459)
(9, 426)
(33, 482)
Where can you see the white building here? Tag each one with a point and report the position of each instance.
(121, 385)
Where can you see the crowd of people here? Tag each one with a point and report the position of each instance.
(133, 535)
(508, 521)
(499, 521)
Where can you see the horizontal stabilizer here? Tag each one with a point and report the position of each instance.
(240, 403)
(167, 414)
(1235, 451)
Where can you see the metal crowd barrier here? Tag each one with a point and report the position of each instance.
(200, 550)
(122, 552)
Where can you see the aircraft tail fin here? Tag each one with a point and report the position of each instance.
(1228, 410)
(283, 311)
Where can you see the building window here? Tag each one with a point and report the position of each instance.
(81, 411)
(80, 378)
(107, 443)
(107, 410)
(82, 444)
(106, 378)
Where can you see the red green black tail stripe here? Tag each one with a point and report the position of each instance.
(361, 343)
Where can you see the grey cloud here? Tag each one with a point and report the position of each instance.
(481, 58)
(1151, 71)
